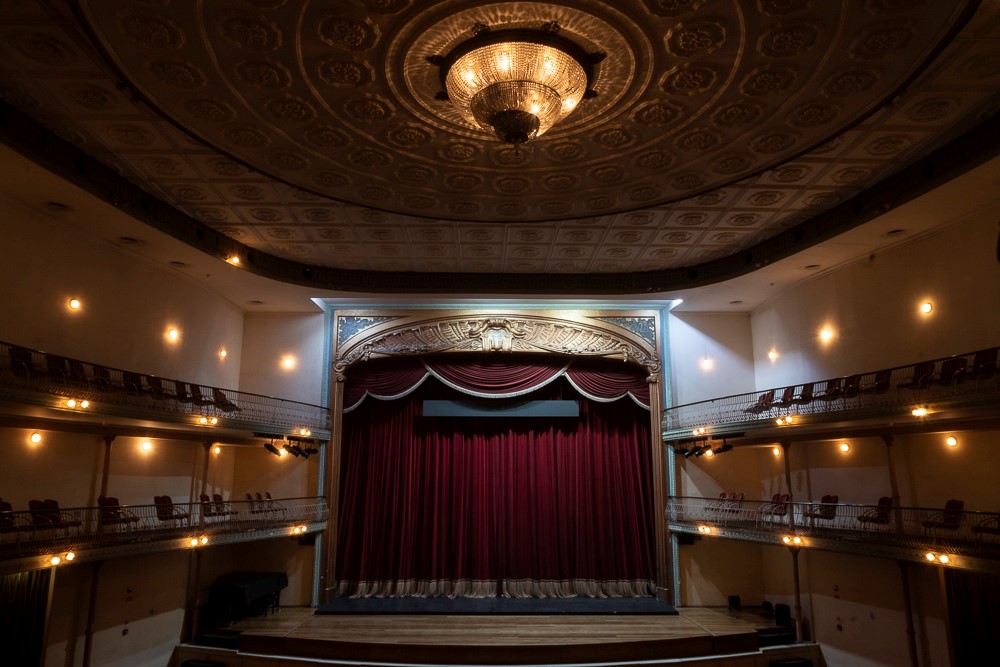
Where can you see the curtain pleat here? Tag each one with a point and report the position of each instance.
(484, 506)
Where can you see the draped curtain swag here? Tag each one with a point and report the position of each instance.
(597, 379)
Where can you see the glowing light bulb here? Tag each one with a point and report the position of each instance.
(234, 260)
(84, 404)
(35, 438)
(282, 452)
(203, 420)
(951, 441)
(707, 364)
(70, 556)
(569, 105)
(288, 362)
(75, 304)
(709, 452)
(217, 450)
(55, 560)
(222, 353)
(213, 421)
(926, 307)
(929, 556)
(776, 451)
(788, 420)
(173, 334)
(772, 354)
(194, 541)
(146, 445)
(944, 559)
(844, 447)
(71, 403)
(204, 540)
(786, 539)
(503, 62)
(796, 540)
(826, 334)
(919, 412)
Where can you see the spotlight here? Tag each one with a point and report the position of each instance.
(271, 448)
(723, 449)
(688, 453)
(311, 450)
(699, 451)
(294, 450)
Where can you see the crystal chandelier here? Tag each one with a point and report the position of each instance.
(516, 83)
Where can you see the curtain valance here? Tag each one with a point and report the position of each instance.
(597, 379)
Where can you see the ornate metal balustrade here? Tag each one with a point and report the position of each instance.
(39, 378)
(968, 540)
(962, 383)
(29, 539)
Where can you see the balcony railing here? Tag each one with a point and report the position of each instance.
(965, 380)
(90, 532)
(40, 378)
(971, 538)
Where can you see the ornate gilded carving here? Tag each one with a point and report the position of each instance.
(499, 333)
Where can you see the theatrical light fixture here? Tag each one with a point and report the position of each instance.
(723, 449)
(709, 452)
(269, 446)
(517, 83)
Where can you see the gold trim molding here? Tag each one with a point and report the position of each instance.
(570, 333)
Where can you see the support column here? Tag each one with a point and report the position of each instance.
(88, 635)
(332, 475)
(108, 439)
(658, 458)
(911, 634)
(896, 514)
(798, 594)
(786, 447)
(946, 606)
(204, 484)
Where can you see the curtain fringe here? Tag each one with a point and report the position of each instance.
(516, 588)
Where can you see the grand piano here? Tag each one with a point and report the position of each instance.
(239, 594)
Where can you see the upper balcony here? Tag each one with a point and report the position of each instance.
(80, 391)
(955, 392)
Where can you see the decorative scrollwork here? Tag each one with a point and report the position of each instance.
(493, 333)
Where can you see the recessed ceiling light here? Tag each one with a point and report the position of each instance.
(178, 264)
(895, 232)
(128, 240)
(735, 303)
(255, 302)
(811, 267)
(57, 207)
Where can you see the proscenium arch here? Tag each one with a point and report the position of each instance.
(628, 336)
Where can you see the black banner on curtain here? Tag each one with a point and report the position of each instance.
(484, 507)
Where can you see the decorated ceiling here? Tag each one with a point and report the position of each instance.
(312, 133)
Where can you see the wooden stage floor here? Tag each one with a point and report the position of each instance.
(497, 639)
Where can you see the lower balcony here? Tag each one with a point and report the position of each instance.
(41, 538)
(949, 537)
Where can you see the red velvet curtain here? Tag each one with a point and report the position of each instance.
(486, 506)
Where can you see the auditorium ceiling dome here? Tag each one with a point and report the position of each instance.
(316, 138)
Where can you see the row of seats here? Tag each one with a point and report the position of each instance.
(62, 371)
(925, 374)
(46, 514)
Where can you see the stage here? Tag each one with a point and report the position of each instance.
(492, 639)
